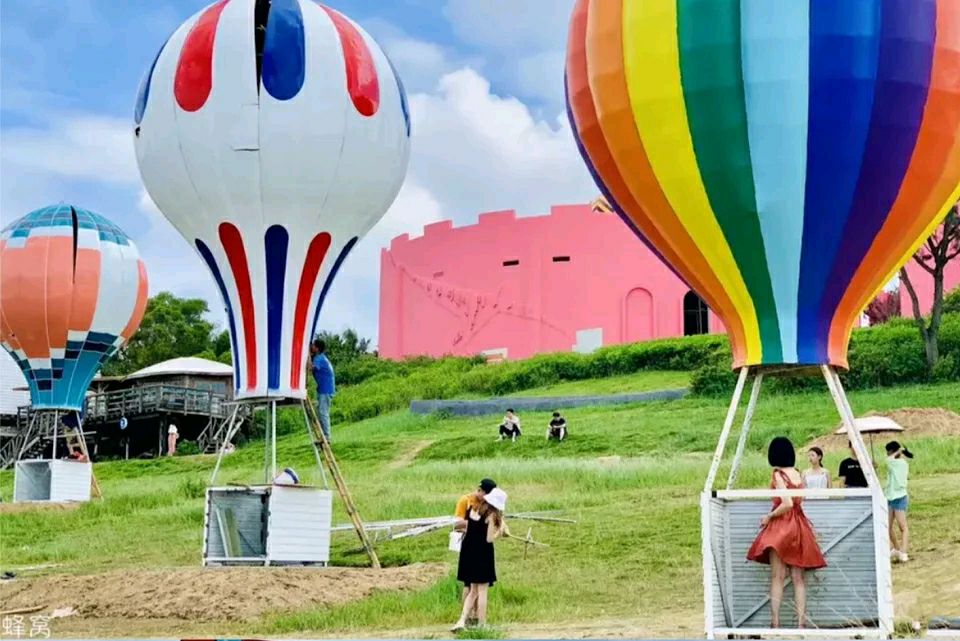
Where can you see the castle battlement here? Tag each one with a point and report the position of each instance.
(501, 218)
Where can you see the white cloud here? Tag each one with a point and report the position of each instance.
(81, 146)
(524, 43)
(541, 75)
(476, 151)
(420, 63)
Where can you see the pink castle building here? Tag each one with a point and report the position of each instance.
(511, 287)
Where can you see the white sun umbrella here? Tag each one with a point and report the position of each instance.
(871, 425)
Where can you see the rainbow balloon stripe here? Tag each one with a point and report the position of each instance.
(785, 157)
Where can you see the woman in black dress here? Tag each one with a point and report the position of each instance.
(477, 568)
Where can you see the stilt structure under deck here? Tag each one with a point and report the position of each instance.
(273, 523)
(852, 596)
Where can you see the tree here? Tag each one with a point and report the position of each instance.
(883, 308)
(939, 249)
(951, 302)
(171, 327)
(345, 347)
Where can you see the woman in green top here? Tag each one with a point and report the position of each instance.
(898, 470)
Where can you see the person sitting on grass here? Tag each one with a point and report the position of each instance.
(510, 427)
(557, 428)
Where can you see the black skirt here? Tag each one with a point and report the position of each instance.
(477, 562)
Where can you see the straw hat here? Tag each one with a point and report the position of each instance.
(497, 498)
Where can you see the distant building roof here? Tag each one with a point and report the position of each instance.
(13, 386)
(187, 365)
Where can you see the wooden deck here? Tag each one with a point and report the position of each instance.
(154, 399)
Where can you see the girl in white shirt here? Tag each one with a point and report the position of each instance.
(816, 476)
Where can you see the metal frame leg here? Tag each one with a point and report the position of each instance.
(745, 430)
(706, 536)
(881, 542)
(232, 430)
(273, 441)
(727, 425)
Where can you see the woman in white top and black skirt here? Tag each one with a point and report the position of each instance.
(477, 568)
(816, 477)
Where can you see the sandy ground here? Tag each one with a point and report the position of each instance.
(200, 595)
(916, 422)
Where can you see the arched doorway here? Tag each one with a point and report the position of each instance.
(696, 320)
(638, 319)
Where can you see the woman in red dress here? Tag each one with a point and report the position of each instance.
(786, 540)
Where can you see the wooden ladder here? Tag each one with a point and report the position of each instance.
(320, 441)
(74, 438)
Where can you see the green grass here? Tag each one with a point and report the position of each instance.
(634, 553)
(642, 381)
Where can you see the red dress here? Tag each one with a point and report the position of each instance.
(790, 534)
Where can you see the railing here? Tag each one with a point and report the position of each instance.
(147, 399)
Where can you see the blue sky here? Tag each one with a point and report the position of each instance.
(485, 85)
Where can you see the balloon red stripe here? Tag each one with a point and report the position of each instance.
(194, 77)
(362, 83)
(237, 256)
(308, 280)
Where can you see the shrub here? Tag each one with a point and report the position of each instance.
(884, 355)
(714, 379)
(187, 448)
(951, 302)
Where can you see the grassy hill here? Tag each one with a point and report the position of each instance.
(629, 475)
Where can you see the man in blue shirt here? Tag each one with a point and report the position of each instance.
(323, 375)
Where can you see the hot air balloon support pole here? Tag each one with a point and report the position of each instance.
(851, 596)
(296, 518)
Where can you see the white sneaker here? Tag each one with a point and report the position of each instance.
(894, 555)
(903, 557)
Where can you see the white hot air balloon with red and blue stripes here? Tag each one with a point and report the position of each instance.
(273, 134)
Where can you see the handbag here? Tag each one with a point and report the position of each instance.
(456, 540)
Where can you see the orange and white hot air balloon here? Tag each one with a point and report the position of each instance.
(73, 290)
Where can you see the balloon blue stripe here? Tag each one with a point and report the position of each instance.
(143, 95)
(211, 262)
(404, 107)
(775, 56)
(903, 83)
(327, 283)
(844, 47)
(276, 241)
(284, 50)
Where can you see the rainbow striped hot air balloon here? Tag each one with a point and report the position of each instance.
(73, 290)
(784, 156)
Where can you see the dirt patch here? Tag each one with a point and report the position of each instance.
(409, 456)
(915, 421)
(210, 594)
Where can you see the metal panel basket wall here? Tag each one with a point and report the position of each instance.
(844, 594)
